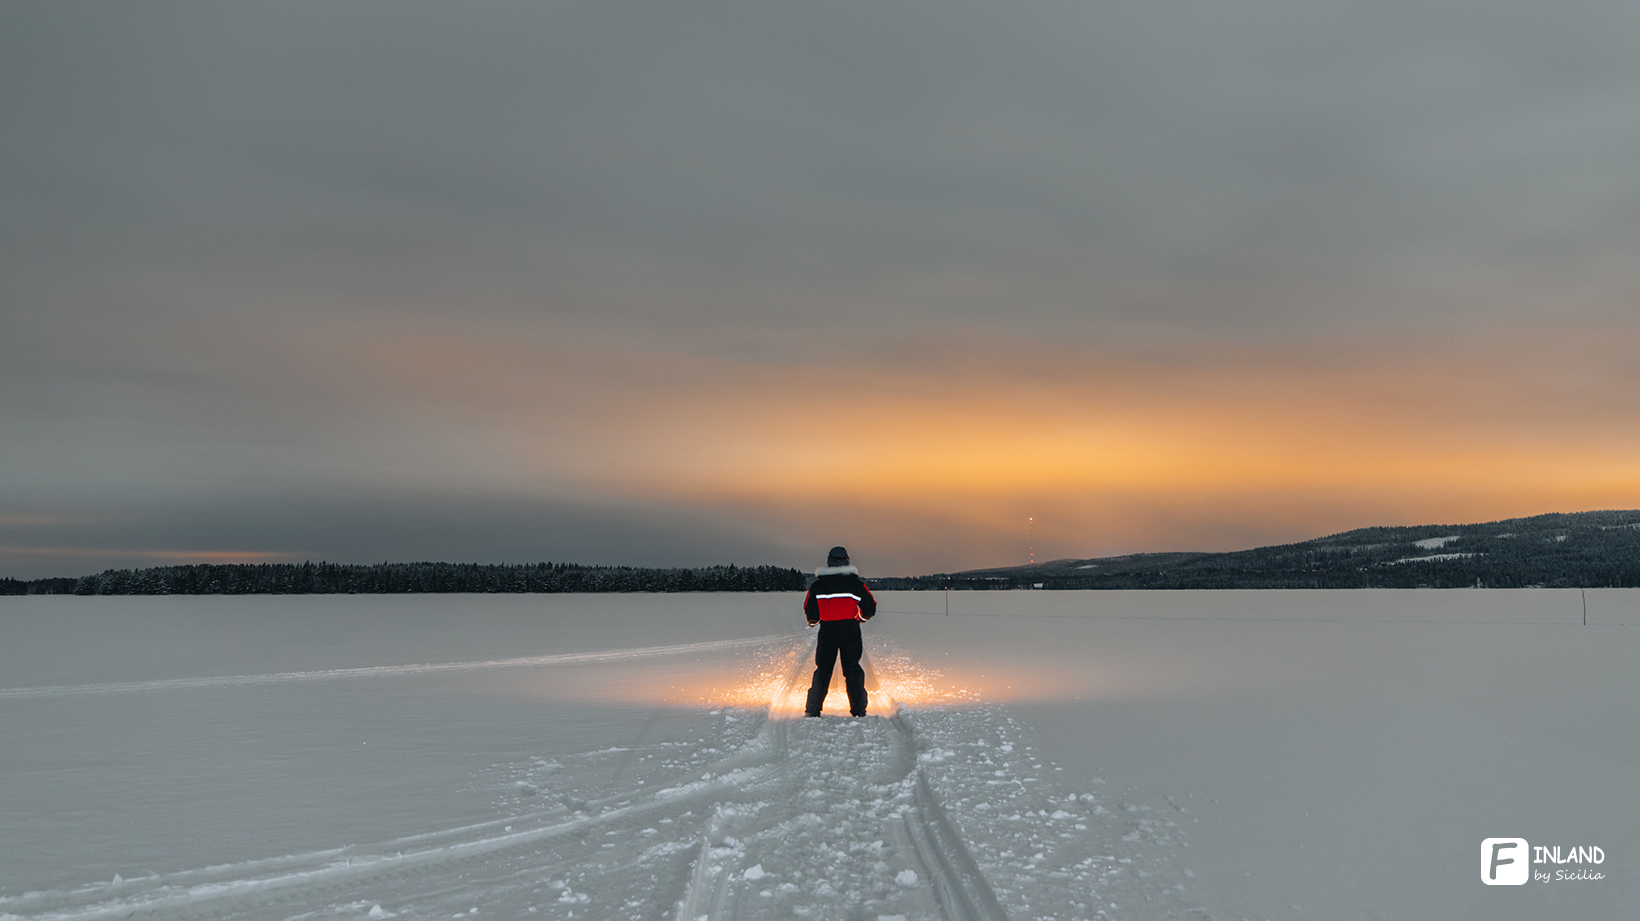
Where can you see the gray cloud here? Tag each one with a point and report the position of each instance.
(367, 525)
(193, 197)
(845, 151)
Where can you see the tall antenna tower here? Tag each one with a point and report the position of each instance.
(1033, 539)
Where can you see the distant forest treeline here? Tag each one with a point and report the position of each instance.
(408, 578)
(1579, 550)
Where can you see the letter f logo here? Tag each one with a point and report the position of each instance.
(1504, 861)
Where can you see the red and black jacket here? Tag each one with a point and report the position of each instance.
(838, 594)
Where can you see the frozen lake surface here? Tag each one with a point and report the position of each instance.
(1032, 755)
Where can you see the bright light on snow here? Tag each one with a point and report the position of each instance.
(778, 680)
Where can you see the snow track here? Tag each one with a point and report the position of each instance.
(922, 814)
(958, 884)
(382, 671)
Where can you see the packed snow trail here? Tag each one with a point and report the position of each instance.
(381, 671)
(933, 812)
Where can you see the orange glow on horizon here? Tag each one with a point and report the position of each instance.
(1297, 437)
(177, 557)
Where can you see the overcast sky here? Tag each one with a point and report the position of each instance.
(682, 284)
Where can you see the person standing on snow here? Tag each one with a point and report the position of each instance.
(838, 601)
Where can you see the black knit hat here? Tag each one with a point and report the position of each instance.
(837, 557)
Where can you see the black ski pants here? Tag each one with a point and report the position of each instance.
(838, 638)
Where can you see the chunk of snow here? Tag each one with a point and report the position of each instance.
(754, 872)
(376, 911)
(907, 878)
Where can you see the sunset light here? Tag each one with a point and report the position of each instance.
(1134, 448)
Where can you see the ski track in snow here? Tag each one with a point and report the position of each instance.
(381, 671)
(933, 812)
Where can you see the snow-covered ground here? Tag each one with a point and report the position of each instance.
(1031, 755)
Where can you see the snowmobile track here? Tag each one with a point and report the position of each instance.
(737, 814)
(958, 884)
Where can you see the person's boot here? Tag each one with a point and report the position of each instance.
(857, 700)
(817, 699)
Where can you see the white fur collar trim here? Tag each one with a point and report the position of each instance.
(835, 570)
